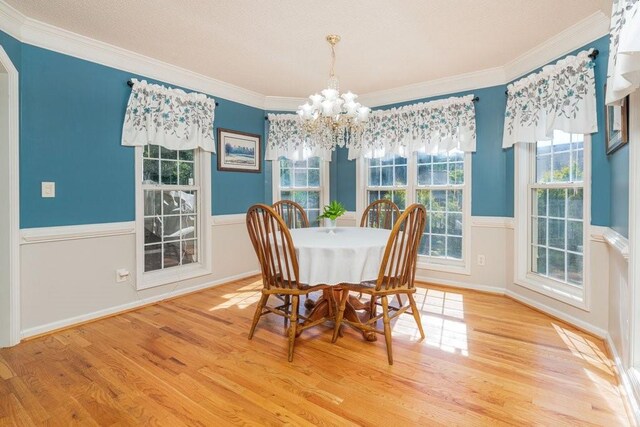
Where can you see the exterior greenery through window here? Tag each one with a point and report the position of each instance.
(557, 213)
(300, 181)
(170, 190)
(438, 183)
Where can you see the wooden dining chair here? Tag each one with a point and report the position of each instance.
(279, 266)
(380, 214)
(292, 214)
(396, 277)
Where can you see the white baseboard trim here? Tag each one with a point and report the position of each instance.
(75, 232)
(625, 380)
(586, 326)
(64, 323)
(463, 285)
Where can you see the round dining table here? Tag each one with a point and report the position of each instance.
(335, 257)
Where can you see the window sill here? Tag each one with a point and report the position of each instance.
(169, 276)
(455, 267)
(556, 290)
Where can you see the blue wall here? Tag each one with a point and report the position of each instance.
(619, 162)
(71, 125)
(71, 118)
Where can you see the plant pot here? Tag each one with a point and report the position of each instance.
(330, 223)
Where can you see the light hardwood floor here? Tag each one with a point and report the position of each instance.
(487, 360)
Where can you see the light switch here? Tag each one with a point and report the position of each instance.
(48, 189)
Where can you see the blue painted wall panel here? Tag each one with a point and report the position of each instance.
(619, 162)
(71, 125)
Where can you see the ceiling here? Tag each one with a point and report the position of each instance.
(278, 48)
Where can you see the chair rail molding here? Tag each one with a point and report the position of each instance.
(75, 232)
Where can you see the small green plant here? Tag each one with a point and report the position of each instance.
(333, 210)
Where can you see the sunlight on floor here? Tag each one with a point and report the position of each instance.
(244, 297)
(585, 349)
(442, 315)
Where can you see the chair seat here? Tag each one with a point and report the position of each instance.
(369, 287)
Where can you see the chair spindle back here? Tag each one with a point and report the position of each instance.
(398, 266)
(274, 247)
(380, 214)
(292, 214)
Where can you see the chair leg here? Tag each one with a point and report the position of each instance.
(372, 307)
(416, 314)
(294, 324)
(339, 316)
(256, 316)
(387, 328)
(287, 307)
(399, 300)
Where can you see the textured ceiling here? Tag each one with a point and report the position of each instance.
(278, 47)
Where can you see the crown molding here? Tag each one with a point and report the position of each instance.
(283, 103)
(40, 34)
(46, 36)
(458, 83)
(589, 29)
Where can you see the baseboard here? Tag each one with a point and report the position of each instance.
(573, 321)
(580, 324)
(623, 376)
(84, 318)
(461, 285)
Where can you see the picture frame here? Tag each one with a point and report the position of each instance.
(616, 125)
(239, 151)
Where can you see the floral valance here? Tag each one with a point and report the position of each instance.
(560, 97)
(170, 118)
(623, 73)
(288, 138)
(431, 127)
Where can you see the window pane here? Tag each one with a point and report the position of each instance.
(454, 224)
(186, 155)
(171, 227)
(152, 257)
(168, 154)
(557, 199)
(387, 176)
(399, 197)
(438, 200)
(151, 152)
(438, 223)
(152, 202)
(575, 269)
(150, 173)
(186, 173)
(424, 245)
(152, 230)
(574, 236)
(539, 231)
(454, 247)
(285, 178)
(574, 209)
(438, 246)
(314, 177)
(440, 174)
(314, 162)
(188, 227)
(543, 165)
(540, 202)
(169, 174)
(456, 173)
(539, 261)
(424, 174)
(374, 177)
(401, 175)
(300, 178)
(556, 233)
(561, 166)
(454, 200)
(556, 263)
(189, 252)
(171, 254)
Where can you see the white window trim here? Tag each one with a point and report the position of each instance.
(180, 273)
(325, 189)
(568, 294)
(426, 262)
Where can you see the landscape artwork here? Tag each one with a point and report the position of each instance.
(238, 151)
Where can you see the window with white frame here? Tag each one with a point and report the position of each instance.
(302, 181)
(557, 210)
(169, 213)
(552, 217)
(439, 183)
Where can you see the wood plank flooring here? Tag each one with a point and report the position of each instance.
(487, 360)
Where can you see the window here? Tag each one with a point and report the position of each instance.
(170, 217)
(557, 212)
(437, 182)
(302, 182)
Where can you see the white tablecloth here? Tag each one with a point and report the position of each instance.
(349, 255)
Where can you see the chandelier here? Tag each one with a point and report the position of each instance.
(330, 117)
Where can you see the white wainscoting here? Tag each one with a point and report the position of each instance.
(69, 273)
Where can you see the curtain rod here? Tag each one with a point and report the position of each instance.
(593, 55)
(130, 84)
(475, 99)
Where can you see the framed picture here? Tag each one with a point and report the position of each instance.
(617, 125)
(239, 151)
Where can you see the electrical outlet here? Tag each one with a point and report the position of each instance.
(481, 260)
(122, 275)
(48, 189)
